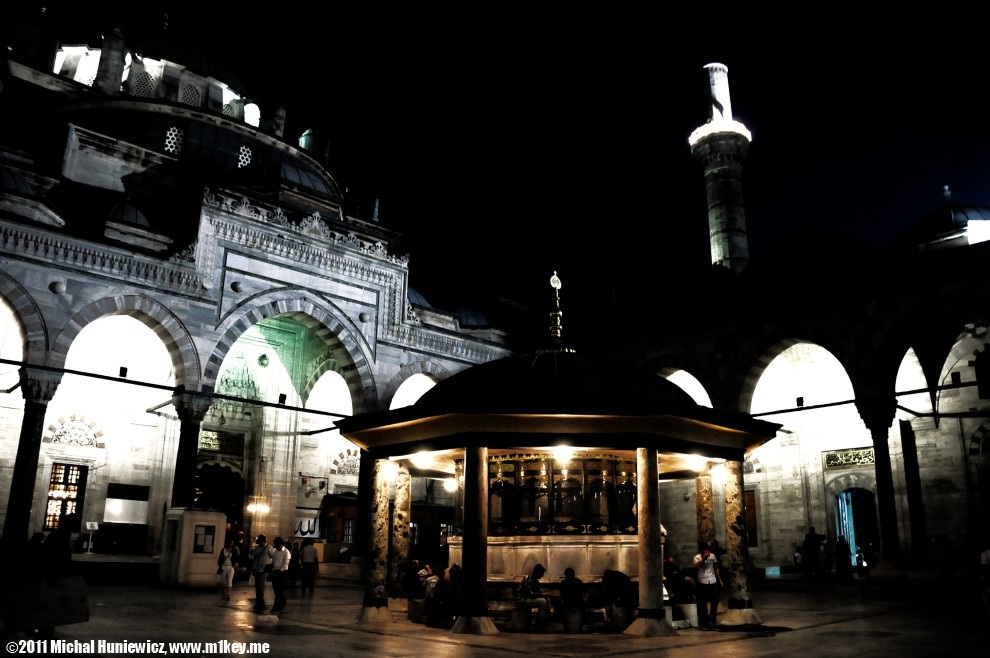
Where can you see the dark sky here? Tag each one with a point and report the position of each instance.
(506, 142)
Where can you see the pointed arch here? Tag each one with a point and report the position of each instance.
(31, 321)
(329, 322)
(165, 324)
(432, 369)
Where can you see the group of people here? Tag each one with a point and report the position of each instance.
(702, 587)
(530, 594)
(441, 592)
(274, 563)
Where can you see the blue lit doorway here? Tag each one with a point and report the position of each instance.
(856, 520)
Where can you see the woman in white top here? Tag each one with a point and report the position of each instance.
(225, 567)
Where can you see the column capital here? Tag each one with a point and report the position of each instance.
(877, 412)
(39, 386)
(192, 406)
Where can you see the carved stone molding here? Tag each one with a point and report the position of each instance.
(39, 386)
(312, 226)
(192, 406)
(99, 261)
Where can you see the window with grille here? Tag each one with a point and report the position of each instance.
(66, 490)
(348, 531)
(173, 140)
(144, 85)
(244, 157)
(191, 96)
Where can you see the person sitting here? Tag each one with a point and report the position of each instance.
(675, 581)
(572, 600)
(530, 594)
(620, 596)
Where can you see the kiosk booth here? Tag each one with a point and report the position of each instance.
(191, 542)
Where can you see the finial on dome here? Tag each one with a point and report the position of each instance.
(555, 324)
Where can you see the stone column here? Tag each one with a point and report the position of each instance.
(475, 619)
(38, 388)
(375, 608)
(878, 414)
(191, 408)
(735, 562)
(401, 515)
(704, 502)
(650, 620)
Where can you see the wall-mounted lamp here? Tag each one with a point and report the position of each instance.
(687, 496)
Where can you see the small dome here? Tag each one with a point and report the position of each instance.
(470, 316)
(556, 381)
(126, 213)
(305, 178)
(11, 181)
(417, 299)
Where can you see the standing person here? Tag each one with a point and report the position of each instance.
(708, 582)
(843, 558)
(261, 560)
(985, 578)
(281, 557)
(243, 571)
(309, 559)
(811, 554)
(413, 586)
(294, 574)
(56, 562)
(453, 576)
(226, 563)
(531, 594)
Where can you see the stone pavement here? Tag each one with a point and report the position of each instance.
(861, 618)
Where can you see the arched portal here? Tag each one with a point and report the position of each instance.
(856, 520)
(219, 487)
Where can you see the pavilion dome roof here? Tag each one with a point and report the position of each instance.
(555, 381)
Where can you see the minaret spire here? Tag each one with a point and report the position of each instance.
(555, 323)
(721, 145)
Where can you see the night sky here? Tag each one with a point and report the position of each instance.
(507, 142)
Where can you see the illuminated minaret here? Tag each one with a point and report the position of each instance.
(721, 146)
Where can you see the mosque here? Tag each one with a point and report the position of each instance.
(193, 316)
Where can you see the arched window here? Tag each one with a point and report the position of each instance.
(191, 96)
(145, 85)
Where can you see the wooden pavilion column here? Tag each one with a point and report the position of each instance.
(375, 608)
(475, 619)
(735, 572)
(650, 620)
(704, 503)
(401, 516)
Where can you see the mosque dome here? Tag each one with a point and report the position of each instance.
(556, 381)
(950, 225)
